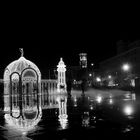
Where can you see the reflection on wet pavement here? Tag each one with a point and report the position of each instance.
(63, 115)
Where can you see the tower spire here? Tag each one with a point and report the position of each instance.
(22, 52)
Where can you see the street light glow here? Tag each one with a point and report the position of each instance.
(98, 79)
(99, 99)
(126, 67)
(109, 76)
(128, 110)
(90, 74)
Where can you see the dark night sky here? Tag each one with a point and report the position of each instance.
(47, 37)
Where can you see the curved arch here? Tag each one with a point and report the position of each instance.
(29, 68)
(34, 84)
(13, 93)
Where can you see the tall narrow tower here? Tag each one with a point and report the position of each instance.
(83, 60)
(61, 69)
(62, 104)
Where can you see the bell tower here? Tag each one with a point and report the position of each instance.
(61, 69)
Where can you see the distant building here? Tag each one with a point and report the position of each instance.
(128, 55)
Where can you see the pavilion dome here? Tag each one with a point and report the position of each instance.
(21, 64)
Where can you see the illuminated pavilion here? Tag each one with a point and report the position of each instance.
(22, 94)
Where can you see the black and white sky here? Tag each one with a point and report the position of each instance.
(45, 37)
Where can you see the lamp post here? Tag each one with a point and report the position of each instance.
(98, 79)
(109, 76)
(129, 76)
(126, 67)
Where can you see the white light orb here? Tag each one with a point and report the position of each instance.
(90, 74)
(128, 110)
(99, 99)
(126, 67)
(98, 79)
(109, 76)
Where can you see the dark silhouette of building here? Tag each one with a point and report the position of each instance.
(123, 46)
(128, 54)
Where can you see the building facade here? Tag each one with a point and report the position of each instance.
(113, 72)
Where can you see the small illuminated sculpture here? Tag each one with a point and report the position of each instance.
(83, 60)
(61, 69)
(62, 103)
(22, 90)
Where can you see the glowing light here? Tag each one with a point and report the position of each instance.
(110, 101)
(63, 112)
(75, 101)
(25, 113)
(92, 64)
(128, 110)
(99, 99)
(98, 79)
(24, 133)
(90, 74)
(63, 122)
(133, 82)
(109, 76)
(133, 96)
(91, 107)
(126, 67)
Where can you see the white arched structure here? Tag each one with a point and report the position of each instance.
(22, 93)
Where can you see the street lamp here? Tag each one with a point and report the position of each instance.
(129, 76)
(126, 67)
(128, 110)
(109, 76)
(90, 74)
(98, 79)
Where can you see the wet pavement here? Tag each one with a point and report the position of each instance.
(82, 117)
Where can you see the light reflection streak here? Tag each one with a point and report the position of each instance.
(128, 110)
(110, 101)
(75, 101)
(62, 103)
